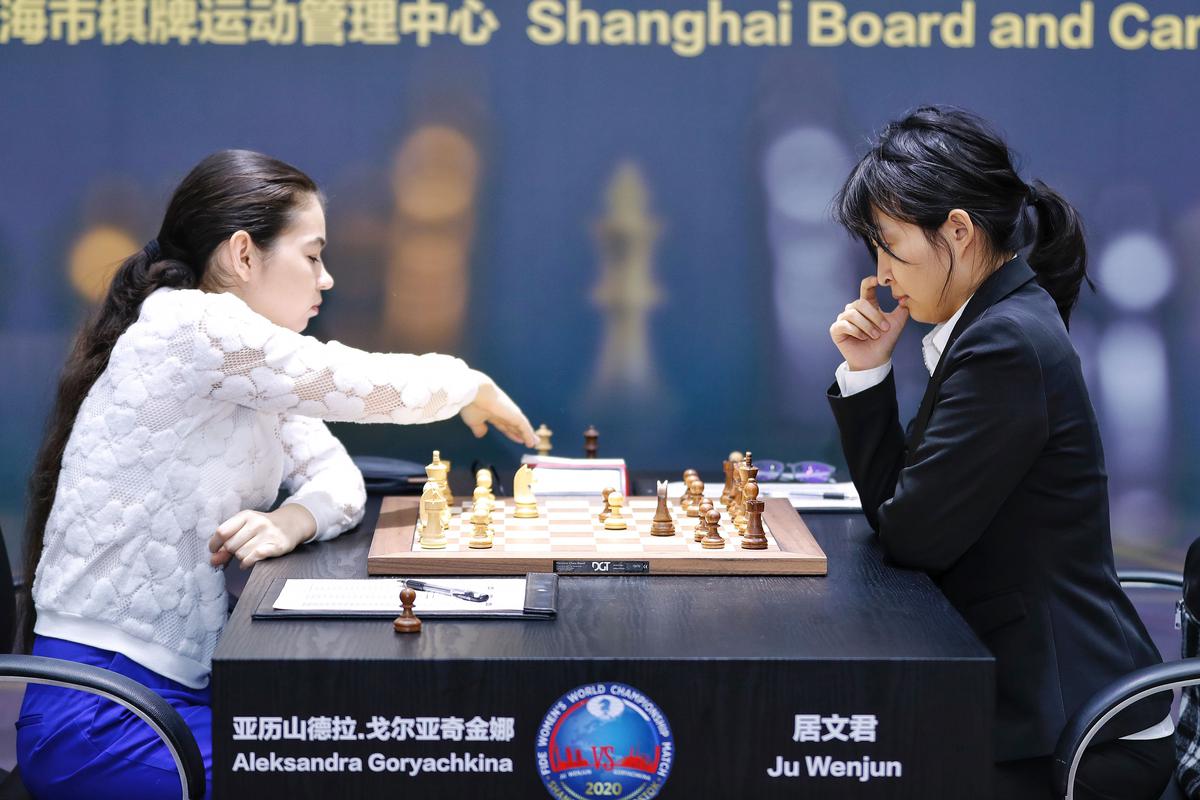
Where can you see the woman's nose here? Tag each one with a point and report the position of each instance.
(883, 274)
(325, 282)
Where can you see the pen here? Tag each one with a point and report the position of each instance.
(461, 594)
(822, 495)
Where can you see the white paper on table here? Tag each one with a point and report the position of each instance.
(383, 594)
(575, 481)
(553, 475)
(804, 496)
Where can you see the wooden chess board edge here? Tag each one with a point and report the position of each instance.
(418, 563)
(392, 552)
(394, 530)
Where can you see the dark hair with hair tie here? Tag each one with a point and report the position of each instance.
(230, 191)
(939, 158)
(152, 250)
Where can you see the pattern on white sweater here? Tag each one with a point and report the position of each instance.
(207, 408)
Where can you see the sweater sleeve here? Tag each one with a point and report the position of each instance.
(241, 357)
(320, 476)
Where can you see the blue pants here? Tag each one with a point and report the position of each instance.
(73, 745)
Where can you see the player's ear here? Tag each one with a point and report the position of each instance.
(959, 229)
(242, 256)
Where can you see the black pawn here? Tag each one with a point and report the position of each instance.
(713, 540)
(590, 437)
(407, 622)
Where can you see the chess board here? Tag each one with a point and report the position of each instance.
(568, 538)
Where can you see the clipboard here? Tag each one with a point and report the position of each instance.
(540, 592)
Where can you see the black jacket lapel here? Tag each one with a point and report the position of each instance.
(1000, 284)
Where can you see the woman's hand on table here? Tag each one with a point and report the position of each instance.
(251, 536)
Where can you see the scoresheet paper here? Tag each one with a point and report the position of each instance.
(383, 594)
(569, 476)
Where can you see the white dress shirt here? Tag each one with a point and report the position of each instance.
(852, 382)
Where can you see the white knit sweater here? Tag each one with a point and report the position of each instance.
(207, 408)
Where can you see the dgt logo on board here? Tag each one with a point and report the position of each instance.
(604, 740)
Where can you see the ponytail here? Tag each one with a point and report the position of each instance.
(938, 158)
(230, 191)
(1059, 254)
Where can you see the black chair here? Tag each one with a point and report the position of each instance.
(1112, 699)
(145, 703)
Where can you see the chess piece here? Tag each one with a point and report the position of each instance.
(696, 497)
(590, 437)
(728, 464)
(735, 484)
(735, 496)
(702, 526)
(712, 540)
(684, 500)
(604, 512)
(433, 536)
(481, 525)
(615, 521)
(407, 622)
(543, 443)
(662, 524)
(749, 472)
(437, 471)
(523, 496)
(755, 537)
(482, 496)
(428, 492)
(483, 480)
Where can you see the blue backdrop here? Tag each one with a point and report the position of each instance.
(620, 235)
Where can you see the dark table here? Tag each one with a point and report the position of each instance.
(863, 683)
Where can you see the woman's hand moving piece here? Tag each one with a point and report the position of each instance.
(493, 406)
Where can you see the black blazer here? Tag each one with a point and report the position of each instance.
(999, 492)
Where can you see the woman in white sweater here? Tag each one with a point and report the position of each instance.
(187, 402)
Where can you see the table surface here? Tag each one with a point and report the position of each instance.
(864, 608)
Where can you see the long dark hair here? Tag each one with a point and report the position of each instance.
(937, 159)
(227, 192)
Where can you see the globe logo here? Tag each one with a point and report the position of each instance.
(604, 740)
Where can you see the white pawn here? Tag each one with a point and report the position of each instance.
(483, 480)
(481, 522)
(543, 443)
(615, 521)
(484, 497)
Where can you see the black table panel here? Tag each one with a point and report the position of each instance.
(746, 670)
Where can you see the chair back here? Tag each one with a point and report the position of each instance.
(1191, 579)
(8, 600)
(1187, 730)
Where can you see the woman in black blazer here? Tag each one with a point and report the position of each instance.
(998, 488)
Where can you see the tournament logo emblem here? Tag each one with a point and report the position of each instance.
(604, 740)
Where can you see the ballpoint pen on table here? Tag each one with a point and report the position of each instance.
(817, 493)
(821, 495)
(461, 594)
